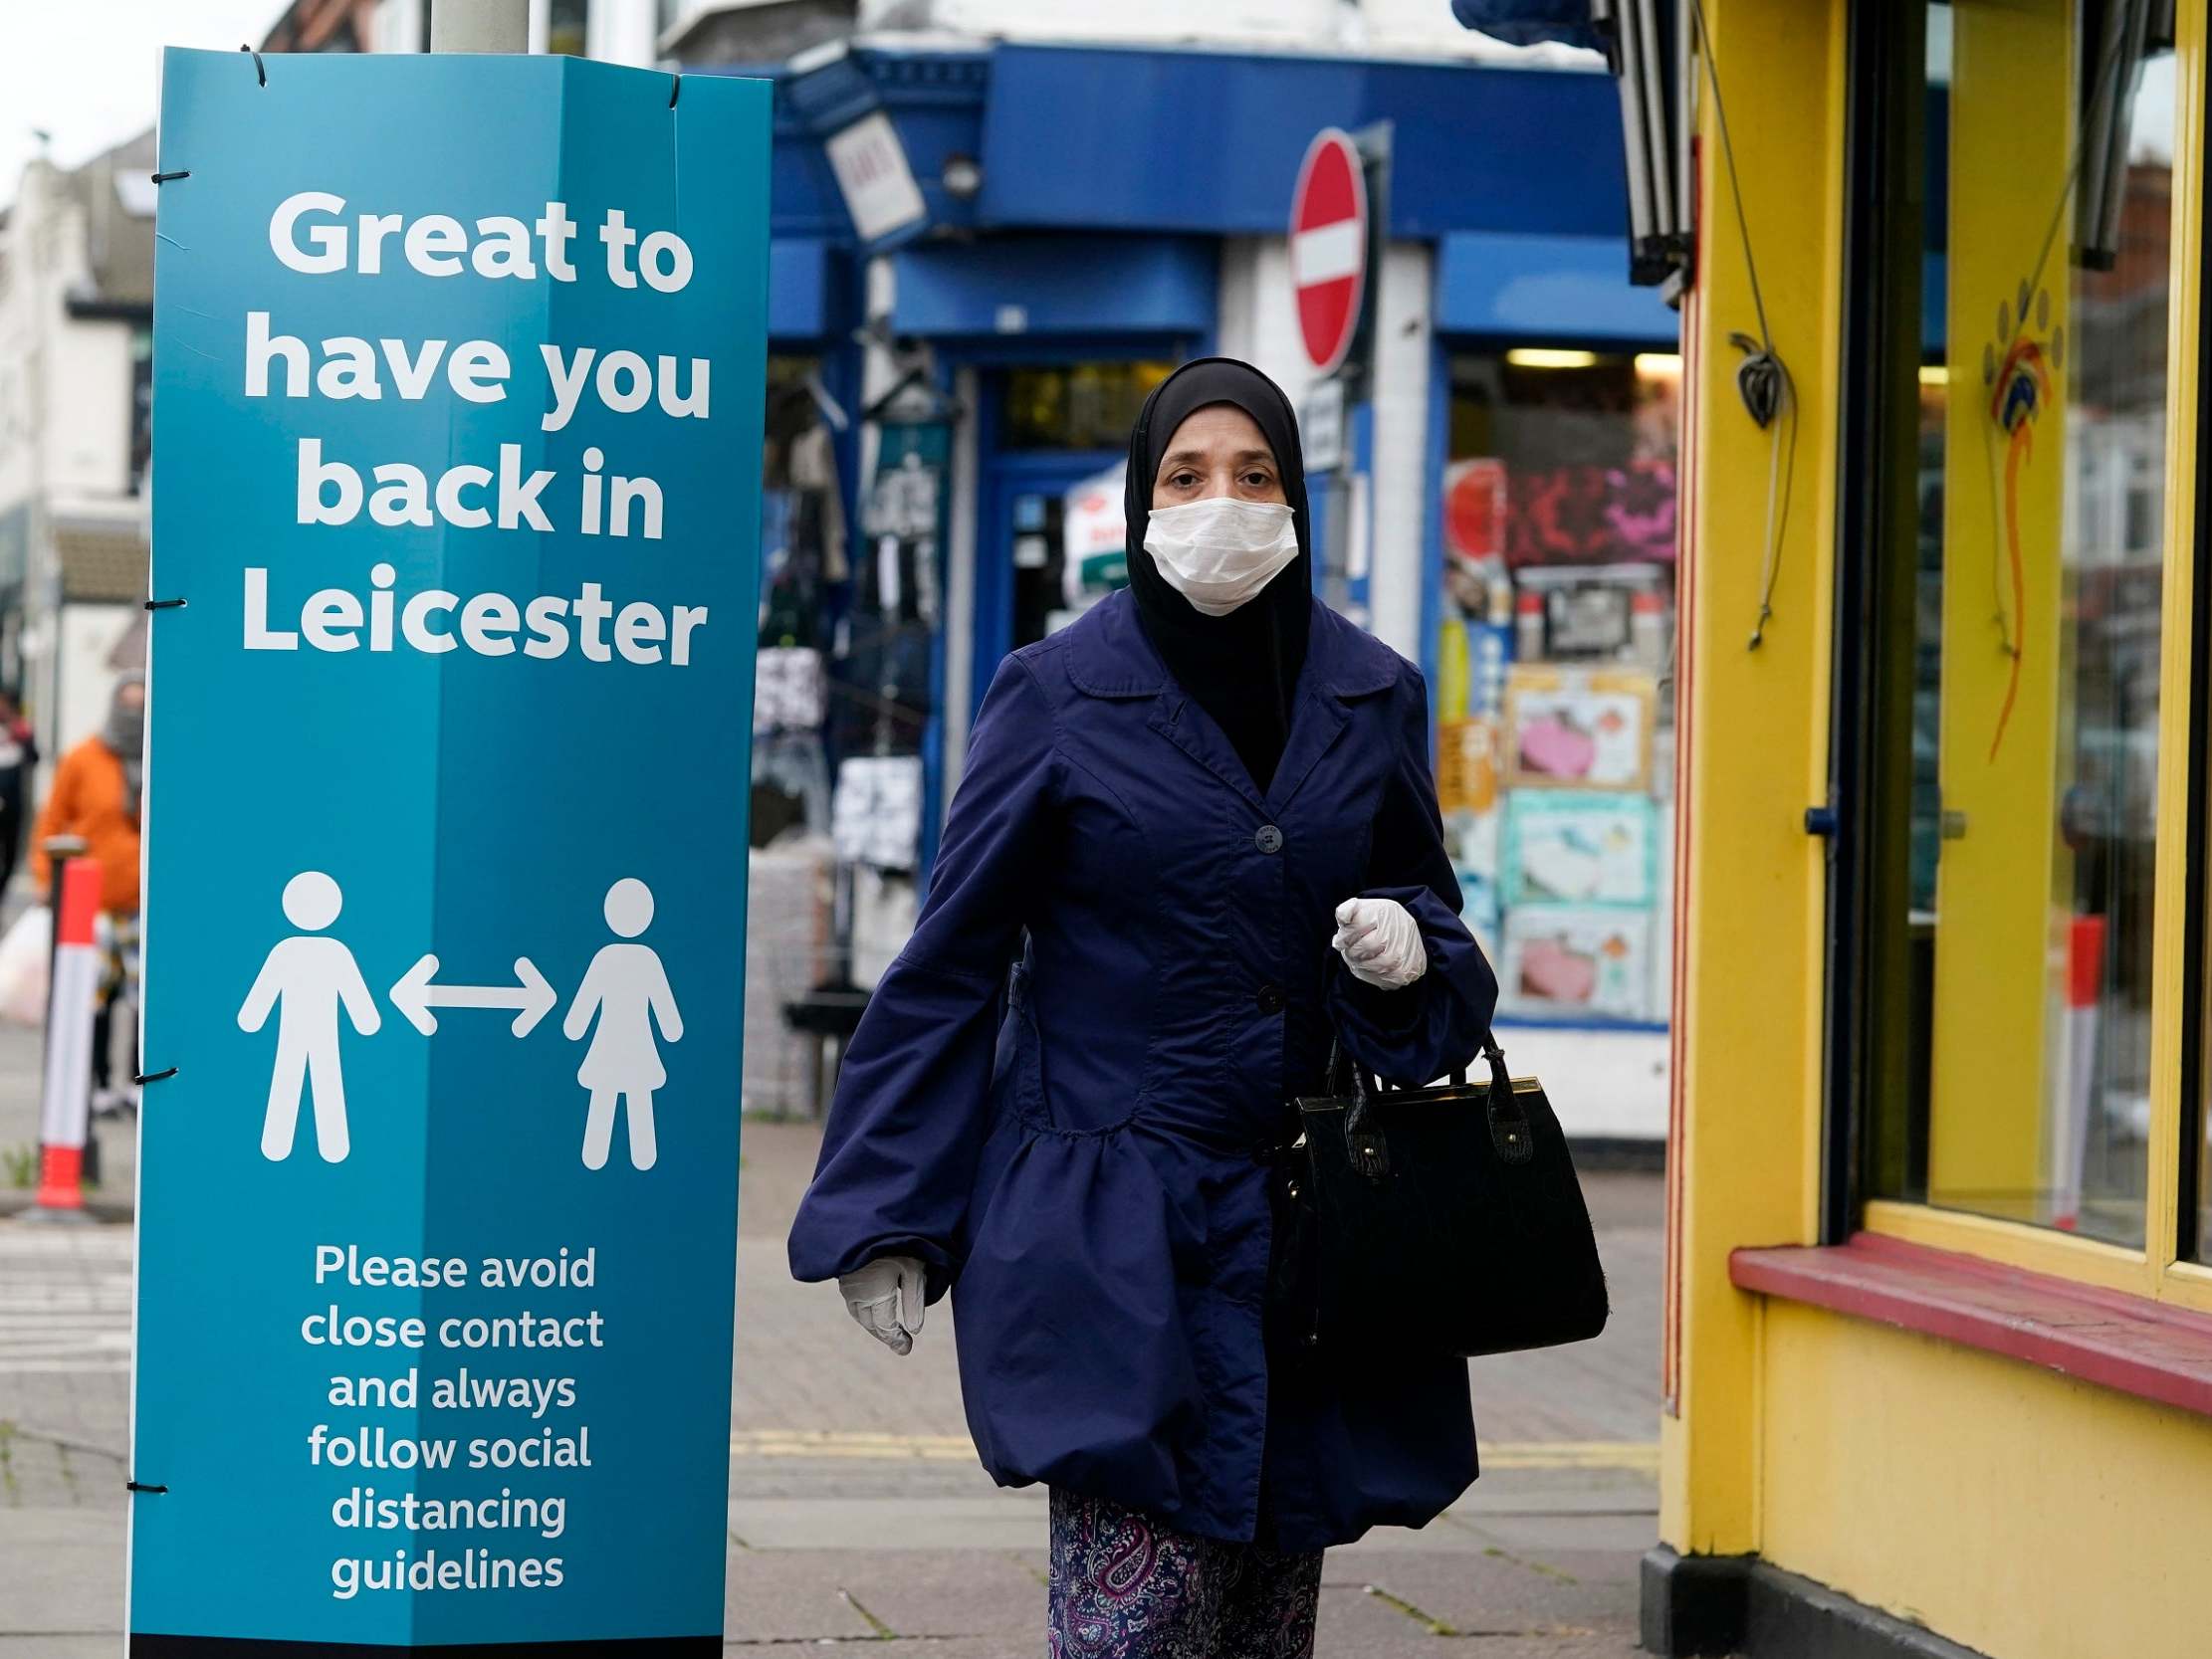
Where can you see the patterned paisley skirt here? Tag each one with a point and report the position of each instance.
(1125, 1589)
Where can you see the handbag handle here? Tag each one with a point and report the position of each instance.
(1363, 1141)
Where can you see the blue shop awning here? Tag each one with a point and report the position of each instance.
(798, 287)
(1195, 140)
(1057, 285)
(1574, 290)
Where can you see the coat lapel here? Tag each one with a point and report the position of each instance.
(1109, 656)
(1316, 722)
(1342, 663)
(1184, 723)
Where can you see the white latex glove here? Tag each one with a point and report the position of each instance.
(885, 1296)
(1379, 942)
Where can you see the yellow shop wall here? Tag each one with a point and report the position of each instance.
(2022, 1513)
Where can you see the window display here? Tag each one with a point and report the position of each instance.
(1578, 728)
(805, 569)
(1554, 697)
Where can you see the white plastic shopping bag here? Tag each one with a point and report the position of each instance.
(25, 960)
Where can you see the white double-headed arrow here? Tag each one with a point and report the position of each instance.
(414, 996)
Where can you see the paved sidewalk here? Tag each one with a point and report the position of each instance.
(857, 1513)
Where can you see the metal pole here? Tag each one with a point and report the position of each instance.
(1629, 72)
(479, 25)
(1374, 144)
(42, 559)
(1650, 73)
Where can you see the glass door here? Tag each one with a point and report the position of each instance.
(2033, 552)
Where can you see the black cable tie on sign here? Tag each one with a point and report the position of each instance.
(260, 75)
(675, 86)
(163, 178)
(144, 1077)
(167, 604)
(142, 1486)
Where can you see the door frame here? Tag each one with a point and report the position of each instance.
(1868, 1023)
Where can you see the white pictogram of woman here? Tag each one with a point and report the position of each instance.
(627, 988)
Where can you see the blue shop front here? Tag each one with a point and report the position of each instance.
(987, 255)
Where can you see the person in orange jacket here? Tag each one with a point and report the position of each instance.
(95, 796)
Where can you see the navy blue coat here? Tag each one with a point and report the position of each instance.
(1055, 1099)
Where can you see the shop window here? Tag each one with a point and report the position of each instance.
(1554, 695)
(569, 28)
(1079, 406)
(2021, 1045)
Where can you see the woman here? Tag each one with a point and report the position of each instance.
(1199, 827)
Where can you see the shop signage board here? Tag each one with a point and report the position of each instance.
(1094, 530)
(458, 386)
(1328, 247)
(873, 175)
(1321, 426)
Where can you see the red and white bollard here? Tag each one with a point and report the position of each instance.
(2078, 1101)
(66, 1110)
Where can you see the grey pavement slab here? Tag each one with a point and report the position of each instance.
(1014, 1521)
(792, 1597)
(1571, 1491)
(1355, 1620)
(942, 1594)
(1538, 1534)
(75, 1586)
(1482, 1589)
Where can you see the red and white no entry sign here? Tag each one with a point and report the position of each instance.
(1328, 245)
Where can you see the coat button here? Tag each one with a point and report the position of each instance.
(1269, 838)
(1270, 999)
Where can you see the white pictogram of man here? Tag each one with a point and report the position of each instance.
(627, 989)
(305, 979)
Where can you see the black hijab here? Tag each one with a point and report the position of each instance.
(1240, 667)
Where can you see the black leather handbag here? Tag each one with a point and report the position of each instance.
(1444, 1221)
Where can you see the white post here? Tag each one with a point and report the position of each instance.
(480, 26)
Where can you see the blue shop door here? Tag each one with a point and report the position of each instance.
(1020, 553)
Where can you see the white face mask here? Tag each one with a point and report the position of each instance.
(1221, 551)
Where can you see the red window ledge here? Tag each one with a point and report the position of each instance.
(2125, 1343)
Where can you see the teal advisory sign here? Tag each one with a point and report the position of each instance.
(458, 369)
